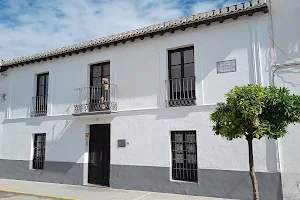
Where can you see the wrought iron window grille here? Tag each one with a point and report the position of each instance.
(39, 151)
(184, 156)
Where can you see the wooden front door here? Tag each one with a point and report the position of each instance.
(99, 154)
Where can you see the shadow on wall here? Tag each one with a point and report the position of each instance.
(287, 34)
(65, 140)
(66, 146)
(37, 121)
(68, 143)
(271, 155)
(289, 77)
(178, 114)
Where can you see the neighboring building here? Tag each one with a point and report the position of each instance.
(149, 128)
(286, 43)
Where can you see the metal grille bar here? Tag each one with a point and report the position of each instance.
(184, 156)
(95, 98)
(39, 106)
(181, 92)
(39, 151)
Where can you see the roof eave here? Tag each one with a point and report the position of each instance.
(168, 27)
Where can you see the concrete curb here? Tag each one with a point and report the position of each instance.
(36, 195)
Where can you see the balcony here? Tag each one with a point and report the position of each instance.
(95, 100)
(39, 106)
(180, 92)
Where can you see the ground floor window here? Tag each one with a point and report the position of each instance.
(39, 151)
(184, 156)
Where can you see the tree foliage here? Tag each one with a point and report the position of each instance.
(256, 111)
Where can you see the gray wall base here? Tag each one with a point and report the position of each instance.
(54, 172)
(211, 183)
(290, 182)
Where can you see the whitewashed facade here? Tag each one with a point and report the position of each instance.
(286, 37)
(140, 69)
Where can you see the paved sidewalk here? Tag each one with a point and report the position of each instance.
(51, 190)
(13, 196)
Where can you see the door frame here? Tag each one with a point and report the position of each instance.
(89, 157)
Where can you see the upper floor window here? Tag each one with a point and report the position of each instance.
(98, 72)
(39, 102)
(100, 83)
(181, 83)
(42, 84)
(100, 95)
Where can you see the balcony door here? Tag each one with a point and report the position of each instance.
(99, 96)
(181, 83)
(41, 99)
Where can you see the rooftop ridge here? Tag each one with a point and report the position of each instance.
(148, 30)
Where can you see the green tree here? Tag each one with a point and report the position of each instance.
(253, 112)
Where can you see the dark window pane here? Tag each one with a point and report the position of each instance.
(175, 58)
(175, 71)
(97, 71)
(39, 107)
(181, 86)
(189, 56)
(47, 77)
(106, 70)
(46, 90)
(189, 70)
(41, 90)
(97, 81)
(41, 80)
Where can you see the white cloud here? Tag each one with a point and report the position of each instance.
(31, 28)
(51, 24)
(205, 6)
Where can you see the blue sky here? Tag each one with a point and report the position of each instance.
(32, 26)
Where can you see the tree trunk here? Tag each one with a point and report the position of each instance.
(252, 172)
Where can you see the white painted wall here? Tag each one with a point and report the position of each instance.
(148, 133)
(64, 139)
(3, 108)
(286, 30)
(286, 26)
(140, 70)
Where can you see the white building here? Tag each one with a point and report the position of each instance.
(286, 43)
(150, 130)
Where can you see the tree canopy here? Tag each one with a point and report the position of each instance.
(256, 111)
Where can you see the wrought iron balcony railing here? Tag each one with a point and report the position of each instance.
(181, 92)
(39, 106)
(95, 98)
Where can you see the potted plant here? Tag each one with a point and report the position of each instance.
(105, 83)
(102, 103)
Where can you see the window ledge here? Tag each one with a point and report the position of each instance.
(187, 182)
